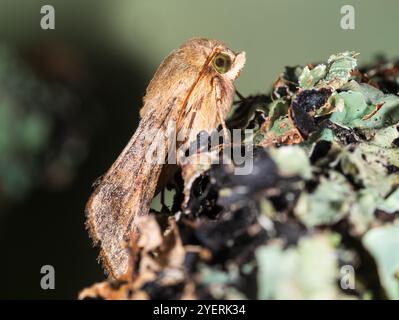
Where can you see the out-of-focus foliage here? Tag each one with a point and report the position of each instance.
(24, 130)
(41, 137)
(307, 271)
(322, 199)
(382, 242)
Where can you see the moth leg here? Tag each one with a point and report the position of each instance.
(164, 207)
(240, 96)
(218, 96)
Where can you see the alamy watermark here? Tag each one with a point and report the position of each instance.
(348, 17)
(347, 277)
(47, 22)
(47, 281)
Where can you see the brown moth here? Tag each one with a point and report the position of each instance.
(192, 90)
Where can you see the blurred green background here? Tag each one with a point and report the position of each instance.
(69, 101)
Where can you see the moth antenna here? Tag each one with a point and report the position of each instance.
(240, 95)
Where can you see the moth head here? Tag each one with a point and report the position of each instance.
(219, 58)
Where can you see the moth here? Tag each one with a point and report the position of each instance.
(193, 91)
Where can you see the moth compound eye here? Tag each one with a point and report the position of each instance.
(222, 63)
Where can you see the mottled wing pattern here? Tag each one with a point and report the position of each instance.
(124, 192)
(128, 187)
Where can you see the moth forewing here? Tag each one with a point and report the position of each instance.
(125, 192)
